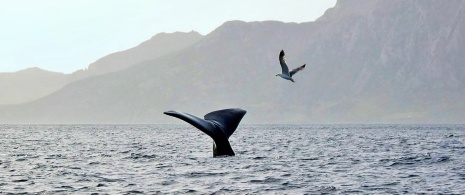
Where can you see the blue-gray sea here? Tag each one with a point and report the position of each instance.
(270, 159)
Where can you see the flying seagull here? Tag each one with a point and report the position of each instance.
(286, 74)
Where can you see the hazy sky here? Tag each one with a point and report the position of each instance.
(68, 35)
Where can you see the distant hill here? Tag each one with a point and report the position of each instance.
(29, 84)
(396, 61)
(32, 84)
(159, 45)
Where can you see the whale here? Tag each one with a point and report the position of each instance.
(219, 125)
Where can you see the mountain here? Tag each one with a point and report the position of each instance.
(32, 84)
(396, 61)
(159, 45)
(29, 84)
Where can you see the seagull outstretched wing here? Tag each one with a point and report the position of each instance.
(295, 70)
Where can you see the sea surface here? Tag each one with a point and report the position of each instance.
(270, 159)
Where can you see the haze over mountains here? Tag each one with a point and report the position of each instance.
(29, 84)
(380, 61)
(34, 83)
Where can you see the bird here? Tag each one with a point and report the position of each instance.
(286, 74)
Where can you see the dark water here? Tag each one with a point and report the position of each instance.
(270, 159)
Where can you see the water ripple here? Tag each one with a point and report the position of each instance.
(271, 159)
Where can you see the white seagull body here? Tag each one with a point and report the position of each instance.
(286, 74)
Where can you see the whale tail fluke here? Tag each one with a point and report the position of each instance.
(201, 124)
(227, 119)
(219, 125)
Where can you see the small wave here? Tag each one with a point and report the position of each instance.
(55, 156)
(203, 174)
(427, 158)
(20, 180)
(124, 152)
(104, 179)
(456, 144)
(186, 191)
(134, 192)
(266, 180)
(94, 163)
(328, 188)
(225, 191)
(410, 176)
(169, 182)
(141, 156)
(309, 159)
(442, 159)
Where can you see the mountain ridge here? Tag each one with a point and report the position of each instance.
(27, 85)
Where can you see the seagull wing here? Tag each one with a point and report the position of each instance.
(293, 71)
(282, 61)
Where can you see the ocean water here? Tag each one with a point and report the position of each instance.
(270, 159)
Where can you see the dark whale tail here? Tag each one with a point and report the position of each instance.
(219, 125)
